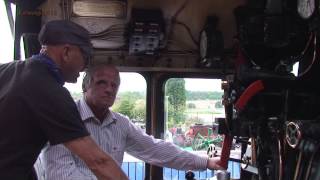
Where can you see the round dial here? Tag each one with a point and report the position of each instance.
(306, 8)
(203, 44)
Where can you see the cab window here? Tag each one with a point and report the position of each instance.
(6, 36)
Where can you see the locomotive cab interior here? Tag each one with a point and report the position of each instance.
(266, 52)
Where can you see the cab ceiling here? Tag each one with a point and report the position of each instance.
(183, 54)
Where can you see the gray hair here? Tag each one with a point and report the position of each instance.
(90, 71)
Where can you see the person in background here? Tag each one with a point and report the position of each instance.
(36, 108)
(114, 133)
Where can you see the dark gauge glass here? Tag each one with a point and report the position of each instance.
(306, 8)
(203, 44)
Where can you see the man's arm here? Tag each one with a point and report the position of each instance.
(161, 153)
(100, 163)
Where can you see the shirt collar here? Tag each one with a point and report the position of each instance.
(52, 67)
(86, 113)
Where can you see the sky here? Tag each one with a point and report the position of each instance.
(136, 82)
(6, 43)
(130, 81)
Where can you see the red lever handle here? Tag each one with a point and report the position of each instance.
(225, 152)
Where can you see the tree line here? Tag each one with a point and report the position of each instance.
(203, 95)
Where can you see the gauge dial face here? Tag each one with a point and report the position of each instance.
(203, 44)
(306, 8)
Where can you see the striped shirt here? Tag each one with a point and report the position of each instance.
(115, 135)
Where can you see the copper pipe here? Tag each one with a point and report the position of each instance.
(298, 166)
(253, 152)
(313, 59)
(310, 164)
(308, 43)
(280, 160)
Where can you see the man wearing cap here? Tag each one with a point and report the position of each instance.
(36, 108)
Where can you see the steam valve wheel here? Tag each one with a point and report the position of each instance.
(293, 134)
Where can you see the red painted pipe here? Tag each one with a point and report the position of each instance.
(251, 91)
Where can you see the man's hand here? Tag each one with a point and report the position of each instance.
(213, 164)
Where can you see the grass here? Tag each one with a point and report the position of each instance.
(201, 111)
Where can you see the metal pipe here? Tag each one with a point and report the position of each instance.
(298, 166)
(280, 160)
(253, 152)
(310, 164)
(10, 16)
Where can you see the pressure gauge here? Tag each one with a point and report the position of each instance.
(211, 45)
(306, 8)
(203, 44)
(211, 42)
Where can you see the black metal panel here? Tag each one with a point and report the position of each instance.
(28, 20)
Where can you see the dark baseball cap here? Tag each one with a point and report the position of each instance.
(66, 32)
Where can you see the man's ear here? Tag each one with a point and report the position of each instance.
(65, 52)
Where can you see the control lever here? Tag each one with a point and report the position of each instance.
(223, 175)
(225, 152)
(190, 175)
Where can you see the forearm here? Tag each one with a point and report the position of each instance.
(161, 153)
(173, 157)
(100, 163)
